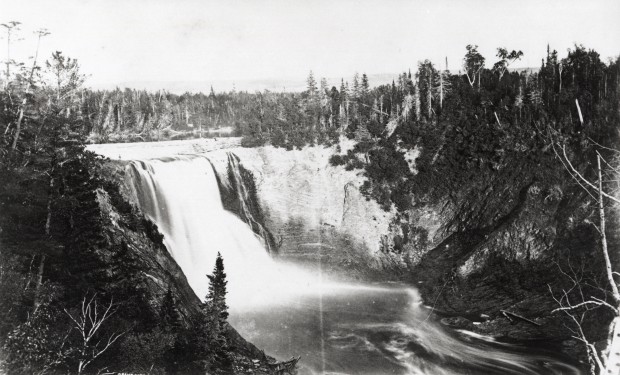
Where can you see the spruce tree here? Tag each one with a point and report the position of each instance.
(343, 91)
(216, 298)
(364, 86)
(215, 315)
(311, 85)
(169, 313)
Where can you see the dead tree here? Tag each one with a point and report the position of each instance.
(575, 304)
(576, 310)
(88, 322)
(11, 26)
(41, 33)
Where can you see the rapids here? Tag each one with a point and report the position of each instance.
(287, 310)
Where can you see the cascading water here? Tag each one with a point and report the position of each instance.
(336, 328)
(182, 197)
(245, 200)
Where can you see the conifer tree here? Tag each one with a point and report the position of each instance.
(356, 87)
(214, 325)
(311, 84)
(364, 86)
(216, 298)
(169, 313)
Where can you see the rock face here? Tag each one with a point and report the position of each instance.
(309, 207)
(145, 244)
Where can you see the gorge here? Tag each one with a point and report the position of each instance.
(284, 234)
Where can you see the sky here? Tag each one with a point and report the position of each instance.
(121, 41)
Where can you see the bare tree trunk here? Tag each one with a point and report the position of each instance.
(18, 126)
(441, 90)
(48, 220)
(37, 291)
(601, 210)
(429, 94)
(560, 68)
(24, 101)
(471, 83)
(48, 225)
(613, 347)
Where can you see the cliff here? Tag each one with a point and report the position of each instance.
(312, 209)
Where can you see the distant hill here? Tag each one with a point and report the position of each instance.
(275, 84)
(252, 85)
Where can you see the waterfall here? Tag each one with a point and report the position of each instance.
(182, 197)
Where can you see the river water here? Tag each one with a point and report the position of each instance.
(336, 328)
(381, 330)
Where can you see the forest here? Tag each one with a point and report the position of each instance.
(74, 300)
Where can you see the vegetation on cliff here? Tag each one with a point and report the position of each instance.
(86, 284)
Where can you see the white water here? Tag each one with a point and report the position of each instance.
(182, 197)
(337, 328)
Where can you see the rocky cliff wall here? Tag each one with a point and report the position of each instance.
(311, 208)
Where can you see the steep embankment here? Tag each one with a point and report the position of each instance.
(124, 223)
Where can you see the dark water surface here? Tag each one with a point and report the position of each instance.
(381, 330)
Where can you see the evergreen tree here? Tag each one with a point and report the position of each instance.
(213, 348)
(169, 313)
(364, 86)
(216, 298)
(426, 77)
(356, 87)
(311, 84)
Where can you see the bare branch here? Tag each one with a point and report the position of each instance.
(584, 180)
(596, 302)
(608, 268)
(601, 146)
(88, 324)
(569, 171)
